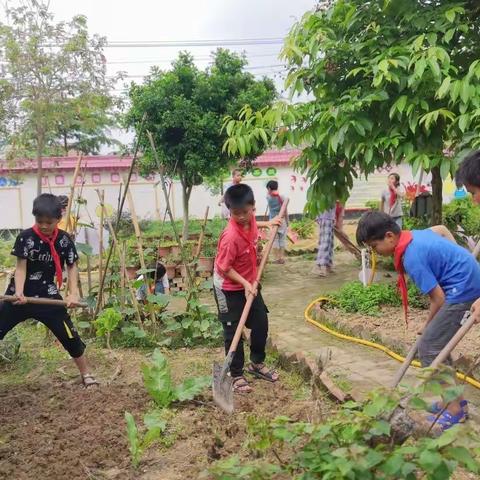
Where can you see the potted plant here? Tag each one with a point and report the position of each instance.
(207, 258)
(171, 262)
(165, 249)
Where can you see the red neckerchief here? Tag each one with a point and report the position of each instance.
(405, 239)
(277, 195)
(56, 258)
(393, 196)
(250, 236)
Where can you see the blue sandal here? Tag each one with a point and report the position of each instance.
(436, 408)
(446, 420)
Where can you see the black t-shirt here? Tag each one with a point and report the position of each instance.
(41, 278)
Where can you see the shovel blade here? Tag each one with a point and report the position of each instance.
(222, 388)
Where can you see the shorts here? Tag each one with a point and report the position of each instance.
(443, 326)
(281, 237)
(55, 318)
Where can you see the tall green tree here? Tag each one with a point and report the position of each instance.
(185, 108)
(54, 91)
(386, 81)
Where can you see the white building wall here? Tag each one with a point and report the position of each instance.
(16, 201)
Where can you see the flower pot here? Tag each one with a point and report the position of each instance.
(176, 250)
(132, 272)
(194, 236)
(205, 264)
(170, 271)
(164, 251)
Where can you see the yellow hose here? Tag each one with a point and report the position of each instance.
(368, 343)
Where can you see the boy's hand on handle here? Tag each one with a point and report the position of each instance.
(277, 221)
(249, 290)
(73, 300)
(21, 300)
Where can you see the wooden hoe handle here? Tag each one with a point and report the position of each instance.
(39, 301)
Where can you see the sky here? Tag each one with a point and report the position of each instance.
(176, 20)
(184, 20)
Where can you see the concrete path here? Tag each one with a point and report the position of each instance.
(288, 290)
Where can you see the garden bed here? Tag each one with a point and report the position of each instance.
(52, 428)
(388, 328)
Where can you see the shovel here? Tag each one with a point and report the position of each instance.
(40, 301)
(402, 424)
(222, 382)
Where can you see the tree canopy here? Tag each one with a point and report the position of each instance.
(54, 92)
(185, 108)
(386, 81)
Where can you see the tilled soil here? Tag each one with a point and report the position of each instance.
(54, 429)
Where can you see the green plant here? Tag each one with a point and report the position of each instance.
(106, 323)
(354, 297)
(304, 227)
(357, 443)
(159, 383)
(461, 215)
(373, 204)
(9, 347)
(155, 424)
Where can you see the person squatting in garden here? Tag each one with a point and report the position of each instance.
(275, 202)
(450, 276)
(391, 200)
(468, 175)
(42, 251)
(234, 274)
(159, 277)
(326, 223)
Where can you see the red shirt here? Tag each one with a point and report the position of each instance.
(237, 249)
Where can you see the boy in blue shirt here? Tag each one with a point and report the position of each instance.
(444, 271)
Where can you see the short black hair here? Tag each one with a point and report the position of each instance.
(63, 199)
(238, 196)
(272, 185)
(468, 172)
(374, 225)
(47, 205)
(161, 270)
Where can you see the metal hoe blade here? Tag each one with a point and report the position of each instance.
(222, 387)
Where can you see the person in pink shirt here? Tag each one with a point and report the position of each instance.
(234, 274)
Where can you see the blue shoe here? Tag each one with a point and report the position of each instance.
(446, 420)
(436, 408)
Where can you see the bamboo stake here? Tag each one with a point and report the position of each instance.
(138, 234)
(69, 226)
(122, 254)
(89, 265)
(122, 202)
(100, 245)
(202, 234)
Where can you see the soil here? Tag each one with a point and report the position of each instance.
(53, 428)
(389, 329)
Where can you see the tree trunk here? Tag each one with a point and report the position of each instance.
(39, 165)
(437, 186)
(186, 191)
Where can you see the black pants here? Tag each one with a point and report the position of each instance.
(230, 306)
(55, 318)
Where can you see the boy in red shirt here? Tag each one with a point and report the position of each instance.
(234, 275)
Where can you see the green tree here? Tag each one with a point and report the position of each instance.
(386, 81)
(54, 92)
(185, 108)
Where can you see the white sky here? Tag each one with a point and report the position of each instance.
(157, 20)
(174, 20)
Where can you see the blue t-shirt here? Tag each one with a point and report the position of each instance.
(431, 260)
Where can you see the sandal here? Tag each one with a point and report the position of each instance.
(89, 380)
(241, 385)
(436, 408)
(447, 420)
(263, 372)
